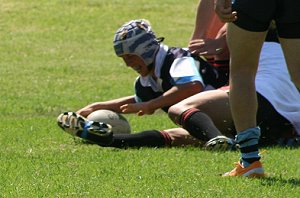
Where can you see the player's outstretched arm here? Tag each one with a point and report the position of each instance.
(113, 105)
(169, 98)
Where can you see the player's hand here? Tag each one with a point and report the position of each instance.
(85, 111)
(205, 47)
(139, 108)
(224, 10)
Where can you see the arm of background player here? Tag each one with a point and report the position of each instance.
(216, 47)
(207, 24)
(113, 105)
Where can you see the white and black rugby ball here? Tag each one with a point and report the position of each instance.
(118, 122)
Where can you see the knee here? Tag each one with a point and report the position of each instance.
(175, 112)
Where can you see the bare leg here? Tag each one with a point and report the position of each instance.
(214, 103)
(244, 47)
(181, 137)
(291, 49)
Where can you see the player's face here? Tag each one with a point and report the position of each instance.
(136, 63)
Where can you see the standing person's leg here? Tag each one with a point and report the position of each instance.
(291, 49)
(245, 37)
(253, 18)
(245, 47)
(288, 26)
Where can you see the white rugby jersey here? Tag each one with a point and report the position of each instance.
(279, 89)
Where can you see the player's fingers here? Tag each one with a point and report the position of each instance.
(227, 16)
(196, 41)
(84, 112)
(196, 44)
(125, 110)
(128, 109)
(123, 107)
(140, 113)
(196, 50)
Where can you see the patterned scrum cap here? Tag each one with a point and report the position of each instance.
(136, 37)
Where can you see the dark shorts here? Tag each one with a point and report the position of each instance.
(256, 15)
(273, 125)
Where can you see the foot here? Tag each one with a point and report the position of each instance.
(77, 125)
(254, 170)
(220, 143)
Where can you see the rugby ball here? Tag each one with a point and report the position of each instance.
(118, 122)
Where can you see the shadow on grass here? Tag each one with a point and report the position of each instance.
(270, 181)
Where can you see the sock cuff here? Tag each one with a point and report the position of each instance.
(167, 138)
(251, 133)
(186, 114)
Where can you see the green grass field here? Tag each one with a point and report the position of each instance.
(57, 56)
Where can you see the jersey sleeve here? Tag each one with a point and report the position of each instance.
(185, 70)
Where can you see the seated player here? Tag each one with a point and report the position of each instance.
(167, 75)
